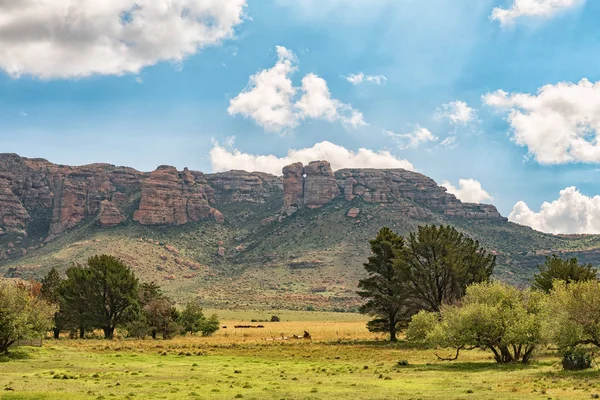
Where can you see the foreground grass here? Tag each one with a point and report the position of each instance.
(236, 364)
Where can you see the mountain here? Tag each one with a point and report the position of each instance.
(241, 239)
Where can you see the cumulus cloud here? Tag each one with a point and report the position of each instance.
(468, 191)
(268, 98)
(224, 158)
(457, 112)
(65, 38)
(413, 139)
(271, 99)
(558, 124)
(571, 213)
(357, 79)
(316, 103)
(532, 8)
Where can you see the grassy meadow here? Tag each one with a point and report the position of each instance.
(343, 360)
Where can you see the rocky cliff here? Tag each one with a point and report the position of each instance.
(315, 185)
(42, 199)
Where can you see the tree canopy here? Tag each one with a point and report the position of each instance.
(493, 316)
(555, 268)
(384, 291)
(24, 314)
(440, 263)
(104, 294)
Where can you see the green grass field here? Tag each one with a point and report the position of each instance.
(343, 361)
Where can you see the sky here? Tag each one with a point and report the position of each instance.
(497, 100)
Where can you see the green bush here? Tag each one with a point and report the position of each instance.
(576, 359)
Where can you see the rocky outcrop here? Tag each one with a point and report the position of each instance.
(293, 188)
(320, 186)
(172, 198)
(109, 214)
(417, 196)
(42, 200)
(242, 186)
(310, 186)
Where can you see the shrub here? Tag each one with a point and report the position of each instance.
(576, 359)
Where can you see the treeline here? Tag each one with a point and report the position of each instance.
(436, 285)
(104, 294)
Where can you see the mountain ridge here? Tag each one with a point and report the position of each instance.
(241, 238)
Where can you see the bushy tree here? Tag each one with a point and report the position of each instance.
(161, 316)
(24, 314)
(104, 294)
(210, 325)
(573, 314)
(555, 268)
(439, 264)
(50, 291)
(385, 292)
(492, 316)
(193, 320)
(74, 299)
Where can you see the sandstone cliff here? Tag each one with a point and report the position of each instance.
(43, 199)
(315, 185)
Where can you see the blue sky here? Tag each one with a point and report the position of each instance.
(172, 99)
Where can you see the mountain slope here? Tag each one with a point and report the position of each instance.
(239, 239)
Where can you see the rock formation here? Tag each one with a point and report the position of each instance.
(418, 196)
(173, 198)
(42, 200)
(293, 187)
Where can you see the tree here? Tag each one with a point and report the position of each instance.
(573, 314)
(50, 291)
(193, 320)
(107, 288)
(493, 316)
(210, 325)
(555, 268)
(439, 264)
(24, 314)
(161, 316)
(385, 293)
(74, 293)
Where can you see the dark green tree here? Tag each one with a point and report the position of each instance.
(107, 288)
(193, 320)
(210, 325)
(385, 293)
(74, 297)
(50, 291)
(555, 268)
(440, 263)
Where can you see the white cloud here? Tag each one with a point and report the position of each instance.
(558, 124)
(413, 139)
(571, 213)
(316, 103)
(468, 191)
(66, 38)
(449, 142)
(224, 159)
(532, 8)
(457, 112)
(268, 97)
(357, 79)
(271, 99)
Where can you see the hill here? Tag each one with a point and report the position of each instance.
(240, 239)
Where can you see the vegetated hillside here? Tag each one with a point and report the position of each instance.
(241, 239)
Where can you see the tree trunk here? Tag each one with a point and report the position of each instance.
(81, 332)
(393, 330)
(154, 334)
(109, 332)
(56, 333)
